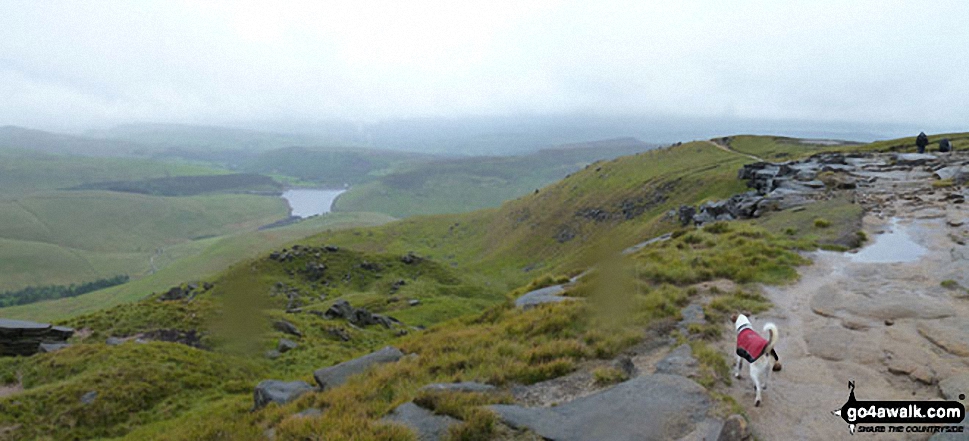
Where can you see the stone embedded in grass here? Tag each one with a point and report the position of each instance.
(464, 386)
(549, 294)
(52, 347)
(336, 375)
(286, 345)
(280, 392)
(89, 397)
(427, 425)
(287, 327)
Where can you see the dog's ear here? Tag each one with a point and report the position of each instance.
(733, 318)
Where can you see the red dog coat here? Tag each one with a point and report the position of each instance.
(750, 345)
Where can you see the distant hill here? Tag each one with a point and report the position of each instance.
(456, 185)
(19, 138)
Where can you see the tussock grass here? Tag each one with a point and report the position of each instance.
(607, 375)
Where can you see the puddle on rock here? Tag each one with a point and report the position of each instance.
(892, 246)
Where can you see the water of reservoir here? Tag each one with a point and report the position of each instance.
(306, 202)
(894, 245)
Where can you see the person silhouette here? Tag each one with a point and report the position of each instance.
(921, 141)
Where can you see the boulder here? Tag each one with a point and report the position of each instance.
(429, 427)
(336, 375)
(958, 173)
(280, 392)
(287, 327)
(735, 428)
(285, 345)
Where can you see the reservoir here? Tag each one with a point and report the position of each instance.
(306, 202)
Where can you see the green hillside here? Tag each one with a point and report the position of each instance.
(466, 184)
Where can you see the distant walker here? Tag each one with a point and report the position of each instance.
(921, 141)
(944, 145)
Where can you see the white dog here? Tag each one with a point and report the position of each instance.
(755, 349)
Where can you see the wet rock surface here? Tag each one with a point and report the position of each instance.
(18, 337)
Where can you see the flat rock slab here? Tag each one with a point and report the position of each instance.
(914, 158)
(651, 407)
(429, 427)
(336, 375)
(549, 294)
(953, 386)
(950, 334)
(21, 325)
(280, 392)
(464, 386)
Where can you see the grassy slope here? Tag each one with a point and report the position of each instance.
(777, 148)
(187, 261)
(511, 243)
(467, 184)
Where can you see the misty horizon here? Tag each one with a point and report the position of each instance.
(807, 67)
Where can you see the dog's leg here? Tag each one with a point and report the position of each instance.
(755, 373)
(736, 372)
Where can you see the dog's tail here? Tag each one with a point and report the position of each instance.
(771, 330)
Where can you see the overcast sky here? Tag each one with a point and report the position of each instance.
(73, 64)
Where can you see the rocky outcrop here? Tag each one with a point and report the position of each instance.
(780, 186)
(651, 407)
(185, 292)
(336, 375)
(427, 425)
(19, 337)
(280, 392)
(358, 316)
